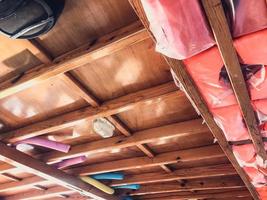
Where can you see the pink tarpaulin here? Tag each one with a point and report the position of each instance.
(230, 120)
(205, 68)
(179, 27)
(246, 16)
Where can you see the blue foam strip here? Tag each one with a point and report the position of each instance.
(109, 176)
(132, 187)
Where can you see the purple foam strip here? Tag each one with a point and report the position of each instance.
(47, 143)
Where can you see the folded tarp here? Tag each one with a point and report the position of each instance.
(260, 107)
(247, 157)
(262, 192)
(179, 27)
(245, 16)
(252, 48)
(208, 71)
(205, 69)
(230, 120)
(257, 178)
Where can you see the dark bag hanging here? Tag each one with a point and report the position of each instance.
(27, 19)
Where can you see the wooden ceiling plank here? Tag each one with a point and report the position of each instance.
(80, 89)
(38, 194)
(181, 129)
(76, 86)
(219, 25)
(195, 154)
(31, 165)
(187, 128)
(121, 104)
(37, 50)
(146, 178)
(99, 48)
(180, 174)
(23, 184)
(198, 195)
(205, 184)
(195, 96)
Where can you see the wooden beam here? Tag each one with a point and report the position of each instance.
(38, 194)
(31, 165)
(72, 197)
(191, 89)
(99, 48)
(180, 174)
(76, 86)
(217, 194)
(83, 92)
(147, 178)
(182, 129)
(26, 183)
(218, 22)
(121, 104)
(195, 154)
(43, 55)
(189, 185)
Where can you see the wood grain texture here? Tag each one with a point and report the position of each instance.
(37, 194)
(180, 174)
(209, 194)
(45, 171)
(189, 128)
(83, 20)
(233, 182)
(147, 178)
(191, 89)
(81, 90)
(218, 22)
(202, 153)
(151, 95)
(104, 46)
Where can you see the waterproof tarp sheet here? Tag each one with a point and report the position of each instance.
(176, 26)
(246, 16)
(230, 120)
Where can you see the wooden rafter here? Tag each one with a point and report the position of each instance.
(195, 154)
(218, 22)
(47, 172)
(180, 174)
(80, 89)
(191, 89)
(221, 194)
(127, 102)
(96, 49)
(38, 194)
(205, 184)
(147, 178)
(182, 129)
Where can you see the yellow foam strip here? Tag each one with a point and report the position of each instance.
(97, 184)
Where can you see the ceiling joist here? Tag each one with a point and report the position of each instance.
(34, 166)
(96, 49)
(111, 107)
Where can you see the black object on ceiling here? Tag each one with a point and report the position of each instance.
(27, 19)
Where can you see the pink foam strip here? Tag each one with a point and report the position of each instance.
(47, 143)
(70, 162)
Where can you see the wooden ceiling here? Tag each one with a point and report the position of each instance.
(99, 61)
